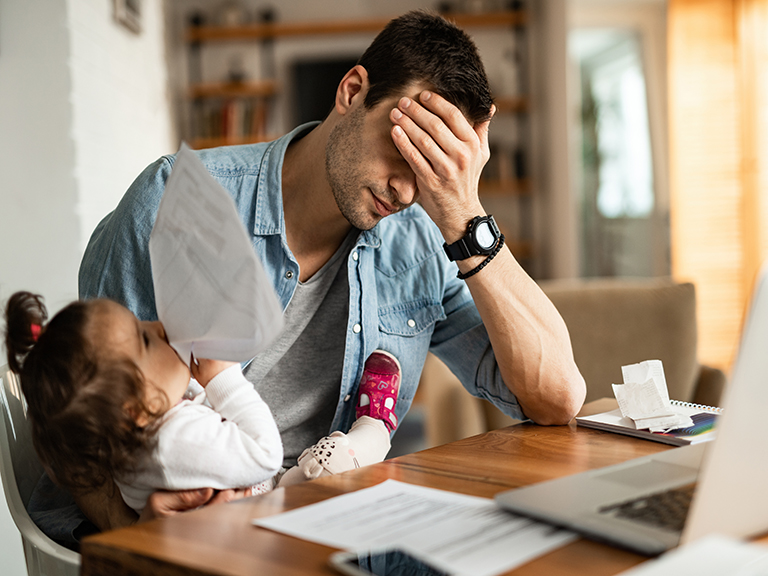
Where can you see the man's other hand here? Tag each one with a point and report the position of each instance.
(163, 503)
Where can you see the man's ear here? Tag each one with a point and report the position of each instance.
(352, 88)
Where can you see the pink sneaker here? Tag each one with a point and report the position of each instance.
(379, 387)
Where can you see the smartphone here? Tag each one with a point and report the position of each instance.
(386, 562)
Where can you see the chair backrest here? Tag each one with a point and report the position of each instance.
(614, 322)
(611, 322)
(20, 471)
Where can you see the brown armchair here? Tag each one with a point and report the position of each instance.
(612, 322)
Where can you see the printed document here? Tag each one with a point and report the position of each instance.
(211, 292)
(461, 534)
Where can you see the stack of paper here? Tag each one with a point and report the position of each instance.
(462, 535)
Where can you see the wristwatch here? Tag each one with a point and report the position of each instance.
(481, 238)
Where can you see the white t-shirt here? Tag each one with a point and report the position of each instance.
(234, 444)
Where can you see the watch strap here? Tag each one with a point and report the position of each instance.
(458, 250)
(484, 263)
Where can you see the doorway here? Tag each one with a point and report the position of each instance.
(619, 172)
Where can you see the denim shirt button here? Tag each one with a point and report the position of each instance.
(347, 398)
(355, 256)
(289, 274)
(411, 323)
(356, 328)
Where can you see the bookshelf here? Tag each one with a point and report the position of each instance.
(239, 111)
(262, 31)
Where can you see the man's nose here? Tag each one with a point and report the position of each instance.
(405, 189)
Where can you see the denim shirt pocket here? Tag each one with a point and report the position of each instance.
(410, 319)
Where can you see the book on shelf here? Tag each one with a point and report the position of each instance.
(703, 429)
(230, 121)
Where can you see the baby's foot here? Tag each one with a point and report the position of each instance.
(367, 442)
(379, 388)
(331, 455)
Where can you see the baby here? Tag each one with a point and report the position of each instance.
(106, 397)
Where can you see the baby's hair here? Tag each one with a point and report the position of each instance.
(82, 400)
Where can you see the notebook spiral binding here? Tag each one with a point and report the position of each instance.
(702, 407)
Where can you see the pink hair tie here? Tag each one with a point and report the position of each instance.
(35, 329)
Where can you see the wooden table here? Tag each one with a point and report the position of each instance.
(221, 540)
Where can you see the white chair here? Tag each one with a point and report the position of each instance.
(20, 471)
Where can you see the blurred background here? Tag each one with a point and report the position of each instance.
(630, 139)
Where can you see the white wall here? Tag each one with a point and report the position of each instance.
(38, 192)
(83, 108)
(120, 105)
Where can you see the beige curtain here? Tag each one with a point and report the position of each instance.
(718, 120)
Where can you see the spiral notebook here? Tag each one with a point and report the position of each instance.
(703, 429)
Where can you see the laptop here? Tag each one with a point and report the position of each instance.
(716, 486)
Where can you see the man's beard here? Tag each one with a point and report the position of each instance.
(344, 159)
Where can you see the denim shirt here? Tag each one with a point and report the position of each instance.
(404, 296)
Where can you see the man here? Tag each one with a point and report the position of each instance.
(356, 264)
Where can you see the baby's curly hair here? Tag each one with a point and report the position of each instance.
(82, 403)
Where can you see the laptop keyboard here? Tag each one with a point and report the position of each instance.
(667, 509)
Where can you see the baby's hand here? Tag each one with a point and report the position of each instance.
(205, 370)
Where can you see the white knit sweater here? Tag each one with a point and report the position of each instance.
(235, 444)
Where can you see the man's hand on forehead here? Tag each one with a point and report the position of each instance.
(447, 155)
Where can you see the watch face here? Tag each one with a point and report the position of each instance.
(484, 236)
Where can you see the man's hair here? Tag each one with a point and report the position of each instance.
(424, 48)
